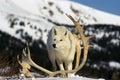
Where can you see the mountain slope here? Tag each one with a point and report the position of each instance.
(39, 12)
(55, 9)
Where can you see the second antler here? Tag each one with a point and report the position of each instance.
(84, 39)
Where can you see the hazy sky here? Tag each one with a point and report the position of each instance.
(111, 6)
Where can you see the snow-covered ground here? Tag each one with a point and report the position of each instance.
(73, 78)
(55, 78)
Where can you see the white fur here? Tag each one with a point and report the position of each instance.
(63, 50)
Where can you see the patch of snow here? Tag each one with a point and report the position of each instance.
(106, 35)
(100, 34)
(115, 42)
(95, 66)
(114, 64)
(95, 46)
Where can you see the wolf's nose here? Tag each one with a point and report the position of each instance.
(54, 45)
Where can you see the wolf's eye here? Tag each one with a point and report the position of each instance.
(54, 39)
(61, 40)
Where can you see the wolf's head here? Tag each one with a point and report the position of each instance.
(60, 38)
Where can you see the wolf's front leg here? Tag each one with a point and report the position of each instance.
(69, 66)
(52, 59)
(60, 64)
(54, 66)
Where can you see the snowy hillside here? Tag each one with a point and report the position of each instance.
(55, 9)
(31, 20)
(40, 15)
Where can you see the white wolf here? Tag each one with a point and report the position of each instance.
(61, 47)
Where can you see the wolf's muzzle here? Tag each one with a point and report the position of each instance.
(54, 45)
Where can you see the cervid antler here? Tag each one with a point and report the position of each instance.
(27, 58)
(25, 67)
(84, 40)
(78, 66)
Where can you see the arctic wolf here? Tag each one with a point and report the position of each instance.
(61, 47)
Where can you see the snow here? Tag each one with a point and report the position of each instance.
(73, 78)
(97, 47)
(115, 41)
(9, 10)
(54, 78)
(41, 77)
(35, 34)
(87, 14)
(100, 34)
(114, 64)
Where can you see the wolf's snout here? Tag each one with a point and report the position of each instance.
(54, 45)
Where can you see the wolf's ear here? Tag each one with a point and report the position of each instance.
(66, 33)
(55, 32)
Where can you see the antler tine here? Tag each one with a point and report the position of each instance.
(35, 65)
(23, 52)
(76, 23)
(78, 49)
(71, 18)
(78, 19)
(92, 36)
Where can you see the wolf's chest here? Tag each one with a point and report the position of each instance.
(61, 54)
